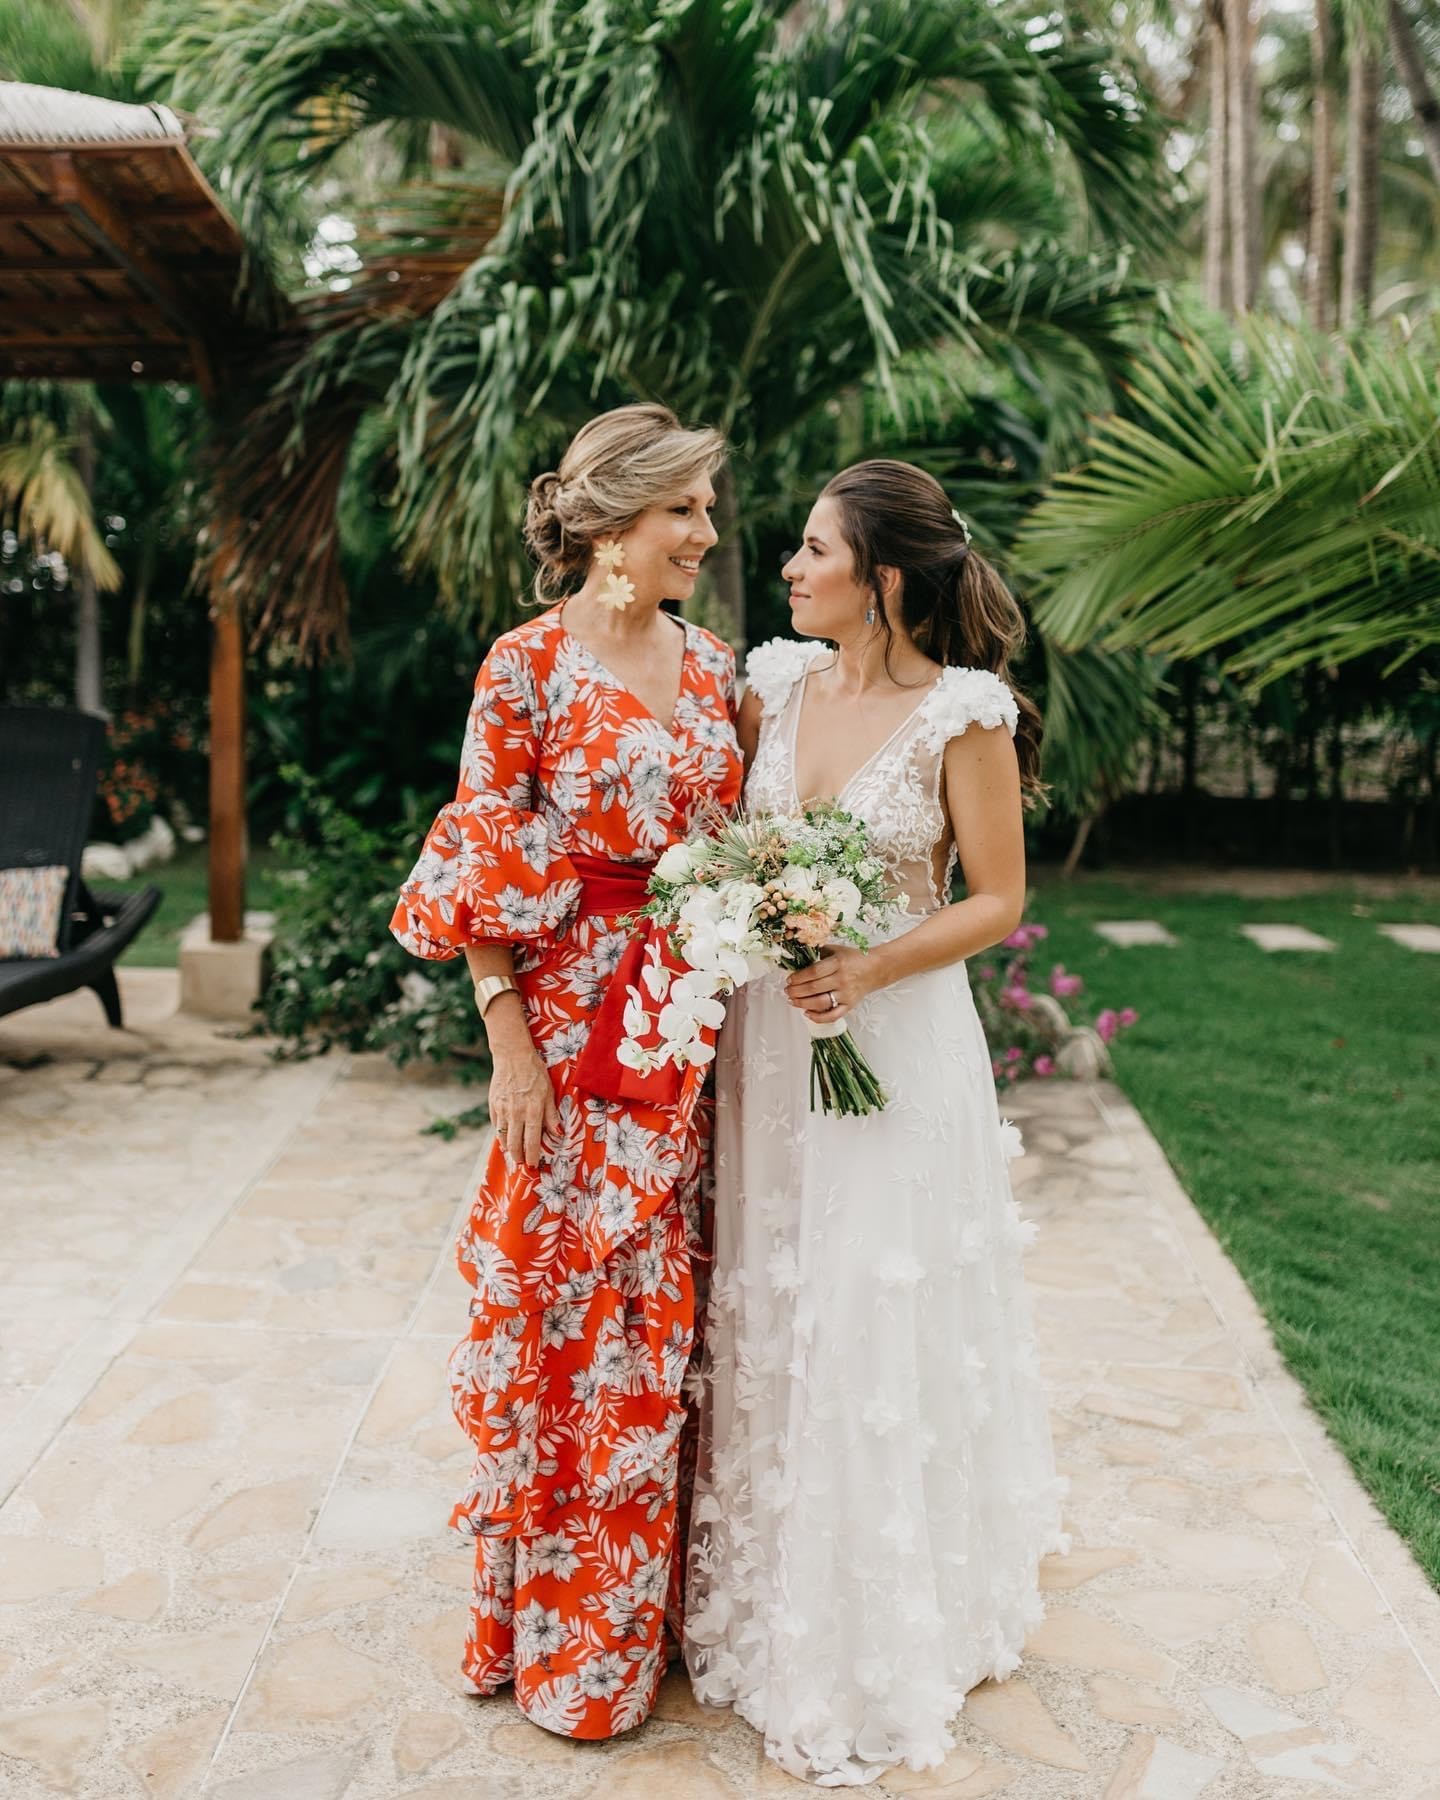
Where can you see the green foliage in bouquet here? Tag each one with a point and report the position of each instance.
(339, 977)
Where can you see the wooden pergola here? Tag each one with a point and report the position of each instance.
(117, 264)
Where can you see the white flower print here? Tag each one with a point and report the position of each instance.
(520, 913)
(585, 1387)
(650, 1581)
(601, 1676)
(435, 877)
(561, 1324)
(539, 1631)
(532, 840)
(617, 1208)
(568, 1041)
(554, 1554)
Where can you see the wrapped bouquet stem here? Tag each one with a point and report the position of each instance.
(746, 894)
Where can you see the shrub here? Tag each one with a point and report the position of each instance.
(338, 976)
(1040, 1033)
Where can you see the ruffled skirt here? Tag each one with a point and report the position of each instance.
(876, 1483)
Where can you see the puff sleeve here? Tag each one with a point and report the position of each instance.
(492, 869)
(965, 697)
(773, 668)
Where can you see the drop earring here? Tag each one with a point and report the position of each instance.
(617, 592)
(869, 615)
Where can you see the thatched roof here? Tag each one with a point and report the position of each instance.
(117, 261)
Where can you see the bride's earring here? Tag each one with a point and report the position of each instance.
(616, 592)
(869, 615)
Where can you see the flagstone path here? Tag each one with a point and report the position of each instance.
(226, 1298)
(1132, 934)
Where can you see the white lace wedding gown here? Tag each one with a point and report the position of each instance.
(876, 1484)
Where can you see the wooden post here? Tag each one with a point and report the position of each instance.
(227, 767)
(227, 725)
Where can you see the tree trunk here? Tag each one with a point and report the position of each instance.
(1240, 106)
(1336, 759)
(1189, 753)
(1362, 183)
(727, 571)
(139, 606)
(1322, 174)
(1410, 66)
(87, 594)
(1077, 845)
(1217, 260)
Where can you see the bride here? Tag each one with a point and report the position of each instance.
(876, 1486)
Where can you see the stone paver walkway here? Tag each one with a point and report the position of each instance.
(225, 1307)
(1132, 934)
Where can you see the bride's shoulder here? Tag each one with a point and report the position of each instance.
(773, 668)
(965, 697)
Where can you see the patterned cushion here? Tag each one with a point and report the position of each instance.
(30, 901)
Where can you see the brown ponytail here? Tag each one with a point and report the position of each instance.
(952, 602)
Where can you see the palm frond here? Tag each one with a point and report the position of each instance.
(1280, 512)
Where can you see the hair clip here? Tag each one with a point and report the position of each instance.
(964, 528)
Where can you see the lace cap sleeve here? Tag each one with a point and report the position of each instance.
(772, 669)
(964, 697)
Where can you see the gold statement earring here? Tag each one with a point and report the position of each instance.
(617, 591)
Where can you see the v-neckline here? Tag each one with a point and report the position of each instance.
(869, 762)
(624, 687)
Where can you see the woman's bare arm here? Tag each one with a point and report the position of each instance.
(982, 796)
(522, 1099)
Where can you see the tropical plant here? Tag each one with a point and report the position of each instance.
(339, 978)
(743, 208)
(1277, 502)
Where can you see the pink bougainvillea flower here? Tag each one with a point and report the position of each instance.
(1043, 1066)
(1064, 986)
(1018, 997)
(1013, 1054)
(1128, 1015)
(987, 971)
(1107, 1024)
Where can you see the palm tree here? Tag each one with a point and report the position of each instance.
(1278, 505)
(47, 474)
(740, 209)
(1320, 262)
(1410, 65)
(1362, 176)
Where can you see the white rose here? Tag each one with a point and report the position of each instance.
(797, 881)
(677, 864)
(843, 898)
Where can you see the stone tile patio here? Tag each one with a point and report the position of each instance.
(226, 1453)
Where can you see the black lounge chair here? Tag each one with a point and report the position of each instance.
(48, 762)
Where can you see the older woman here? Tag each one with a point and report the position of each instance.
(597, 732)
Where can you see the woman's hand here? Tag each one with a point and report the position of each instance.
(522, 1103)
(834, 986)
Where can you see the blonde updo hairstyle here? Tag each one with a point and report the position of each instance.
(616, 466)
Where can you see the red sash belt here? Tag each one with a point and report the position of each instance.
(611, 888)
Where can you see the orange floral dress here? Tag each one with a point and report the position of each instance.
(570, 1381)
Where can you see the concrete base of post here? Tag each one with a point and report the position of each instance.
(223, 981)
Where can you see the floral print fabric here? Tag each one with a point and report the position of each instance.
(582, 1321)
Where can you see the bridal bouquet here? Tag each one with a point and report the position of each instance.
(767, 891)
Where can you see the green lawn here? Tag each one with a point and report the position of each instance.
(182, 882)
(1297, 1100)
